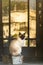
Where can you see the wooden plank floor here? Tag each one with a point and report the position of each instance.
(23, 64)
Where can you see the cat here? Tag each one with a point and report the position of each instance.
(15, 47)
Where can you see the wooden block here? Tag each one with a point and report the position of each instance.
(17, 59)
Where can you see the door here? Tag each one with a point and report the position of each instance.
(31, 51)
(22, 16)
(35, 31)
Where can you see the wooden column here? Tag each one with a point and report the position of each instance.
(1, 31)
(39, 18)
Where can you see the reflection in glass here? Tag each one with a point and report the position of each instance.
(5, 43)
(32, 43)
(40, 12)
(5, 31)
(32, 18)
(26, 43)
(19, 17)
(5, 11)
(14, 29)
(40, 4)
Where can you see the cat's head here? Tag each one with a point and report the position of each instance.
(22, 35)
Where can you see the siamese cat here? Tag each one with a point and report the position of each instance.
(16, 45)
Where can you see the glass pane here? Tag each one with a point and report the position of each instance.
(5, 11)
(40, 4)
(5, 31)
(19, 18)
(32, 18)
(5, 43)
(32, 43)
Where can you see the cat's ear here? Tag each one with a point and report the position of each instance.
(24, 33)
(19, 33)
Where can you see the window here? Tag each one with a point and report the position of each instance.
(5, 22)
(5, 31)
(5, 11)
(32, 23)
(15, 20)
(19, 18)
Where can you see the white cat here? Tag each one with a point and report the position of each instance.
(16, 45)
